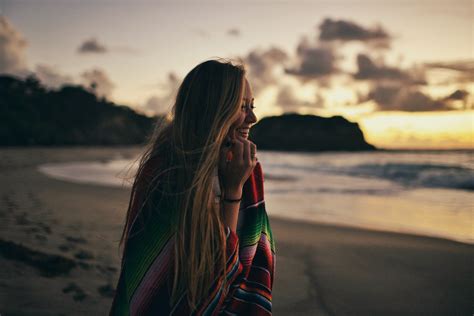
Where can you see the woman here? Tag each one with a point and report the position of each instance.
(197, 238)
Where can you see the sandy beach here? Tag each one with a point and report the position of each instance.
(59, 255)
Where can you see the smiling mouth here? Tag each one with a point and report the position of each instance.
(244, 132)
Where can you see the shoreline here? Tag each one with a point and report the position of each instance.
(322, 269)
(57, 171)
(353, 229)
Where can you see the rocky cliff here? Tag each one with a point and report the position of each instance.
(294, 132)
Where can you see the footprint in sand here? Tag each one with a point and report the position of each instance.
(106, 270)
(78, 293)
(22, 219)
(84, 255)
(46, 229)
(11, 205)
(64, 248)
(106, 290)
(34, 199)
(71, 243)
(84, 265)
(76, 240)
(41, 237)
(31, 230)
(33, 227)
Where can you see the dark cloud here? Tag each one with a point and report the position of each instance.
(404, 98)
(331, 30)
(458, 95)
(368, 70)
(261, 65)
(159, 104)
(51, 76)
(92, 46)
(464, 68)
(461, 65)
(415, 101)
(233, 32)
(314, 62)
(383, 95)
(98, 81)
(12, 49)
(396, 90)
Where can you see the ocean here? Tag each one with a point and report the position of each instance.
(427, 193)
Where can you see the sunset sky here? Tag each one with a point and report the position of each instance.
(404, 70)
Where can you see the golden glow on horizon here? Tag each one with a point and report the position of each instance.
(433, 130)
(340, 95)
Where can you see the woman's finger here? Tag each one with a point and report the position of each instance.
(246, 149)
(253, 150)
(223, 157)
(238, 150)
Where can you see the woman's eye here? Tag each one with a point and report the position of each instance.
(249, 106)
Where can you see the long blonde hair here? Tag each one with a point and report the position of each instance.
(207, 103)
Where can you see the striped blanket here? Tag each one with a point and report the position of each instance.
(144, 285)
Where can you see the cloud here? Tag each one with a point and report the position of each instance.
(383, 95)
(51, 77)
(159, 104)
(92, 46)
(341, 30)
(415, 101)
(464, 69)
(261, 65)
(460, 65)
(98, 82)
(12, 49)
(458, 95)
(234, 32)
(368, 70)
(319, 60)
(314, 62)
(404, 98)
(396, 90)
(13, 61)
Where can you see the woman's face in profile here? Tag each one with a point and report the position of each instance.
(241, 126)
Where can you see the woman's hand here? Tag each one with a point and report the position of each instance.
(236, 170)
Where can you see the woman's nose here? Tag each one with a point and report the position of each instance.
(250, 117)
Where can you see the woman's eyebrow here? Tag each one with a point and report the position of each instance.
(247, 99)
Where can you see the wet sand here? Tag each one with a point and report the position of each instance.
(59, 256)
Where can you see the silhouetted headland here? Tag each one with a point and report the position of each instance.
(295, 132)
(71, 115)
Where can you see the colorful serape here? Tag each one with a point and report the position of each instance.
(145, 280)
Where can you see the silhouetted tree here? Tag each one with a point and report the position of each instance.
(71, 115)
